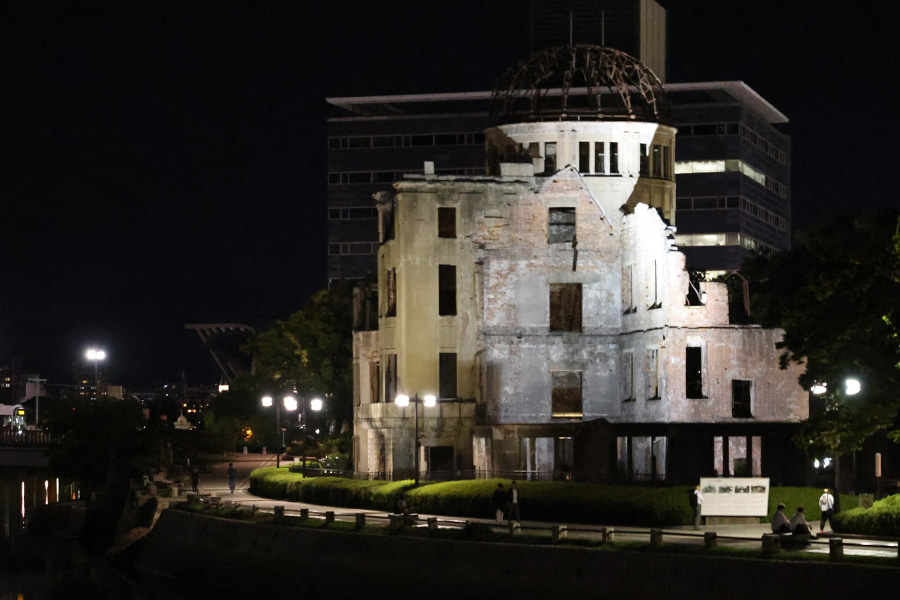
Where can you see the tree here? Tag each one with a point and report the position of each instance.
(835, 293)
(312, 351)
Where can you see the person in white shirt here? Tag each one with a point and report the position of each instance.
(780, 522)
(826, 505)
(697, 507)
(799, 525)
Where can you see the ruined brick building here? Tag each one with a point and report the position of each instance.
(547, 308)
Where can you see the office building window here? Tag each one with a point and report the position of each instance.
(644, 161)
(446, 222)
(390, 378)
(550, 157)
(446, 290)
(741, 406)
(565, 307)
(599, 157)
(561, 225)
(693, 372)
(447, 367)
(584, 157)
(390, 309)
(566, 400)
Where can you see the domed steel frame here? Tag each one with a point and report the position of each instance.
(581, 82)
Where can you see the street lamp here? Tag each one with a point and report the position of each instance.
(290, 403)
(94, 355)
(403, 401)
(315, 404)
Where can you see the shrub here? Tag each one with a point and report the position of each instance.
(883, 519)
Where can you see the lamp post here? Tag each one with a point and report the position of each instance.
(403, 401)
(852, 387)
(290, 403)
(316, 405)
(94, 355)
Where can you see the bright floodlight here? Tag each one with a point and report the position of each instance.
(93, 354)
(818, 389)
(852, 386)
(402, 400)
(267, 400)
(315, 404)
(429, 400)
(290, 403)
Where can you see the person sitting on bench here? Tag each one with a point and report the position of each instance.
(780, 522)
(799, 525)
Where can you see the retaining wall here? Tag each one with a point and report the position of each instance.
(278, 562)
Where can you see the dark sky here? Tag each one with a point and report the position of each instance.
(163, 163)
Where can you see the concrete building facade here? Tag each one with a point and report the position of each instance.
(547, 307)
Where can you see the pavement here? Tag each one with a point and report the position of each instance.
(215, 483)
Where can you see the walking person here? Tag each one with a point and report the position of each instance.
(232, 476)
(195, 480)
(697, 503)
(499, 503)
(826, 505)
(512, 500)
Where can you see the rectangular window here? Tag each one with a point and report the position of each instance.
(446, 289)
(375, 382)
(599, 157)
(693, 372)
(565, 307)
(652, 374)
(741, 407)
(390, 378)
(447, 387)
(628, 376)
(657, 160)
(390, 309)
(666, 163)
(446, 222)
(644, 161)
(561, 225)
(614, 157)
(387, 221)
(550, 157)
(566, 398)
(627, 289)
(584, 157)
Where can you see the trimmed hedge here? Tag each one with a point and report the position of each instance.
(556, 501)
(883, 519)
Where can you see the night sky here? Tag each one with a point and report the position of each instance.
(164, 163)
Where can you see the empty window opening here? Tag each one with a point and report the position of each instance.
(599, 157)
(390, 378)
(565, 307)
(447, 290)
(628, 376)
(566, 400)
(561, 225)
(446, 222)
(693, 372)
(447, 387)
(741, 406)
(644, 161)
(657, 160)
(652, 374)
(614, 157)
(375, 382)
(390, 309)
(550, 157)
(628, 289)
(584, 157)
(387, 221)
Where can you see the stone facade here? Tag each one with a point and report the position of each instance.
(546, 308)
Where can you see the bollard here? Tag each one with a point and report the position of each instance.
(515, 527)
(279, 512)
(709, 539)
(329, 516)
(245, 449)
(396, 522)
(360, 520)
(557, 532)
(655, 537)
(607, 534)
(836, 549)
(304, 514)
(432, 524)
(771, 544)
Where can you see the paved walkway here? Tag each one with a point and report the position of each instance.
(215, 483)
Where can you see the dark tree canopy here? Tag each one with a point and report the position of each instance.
(836, 294)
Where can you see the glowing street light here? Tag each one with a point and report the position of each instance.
(290, 403)
(94, 355)
(852, 387)
(403, 401)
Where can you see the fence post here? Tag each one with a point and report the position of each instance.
(279, 512)
(304, 514)
(360, 520)
(515, 527)
(771, 544)
(432, 524)
(557, 532)
(836, 549)
(709, 539)
(656, 537)
(329, 516)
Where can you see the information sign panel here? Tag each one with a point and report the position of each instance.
(735, 496)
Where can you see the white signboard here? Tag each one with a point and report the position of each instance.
(735, 496)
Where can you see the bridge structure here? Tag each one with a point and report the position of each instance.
(27, 448)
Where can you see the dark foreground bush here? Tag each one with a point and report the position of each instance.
(883, 519)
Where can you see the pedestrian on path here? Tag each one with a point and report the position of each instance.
(697, 502)
(512, 498)
(232, 476)
(826, 505)
(195, 480)
(499, 502)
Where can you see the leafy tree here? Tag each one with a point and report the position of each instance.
(836, 294)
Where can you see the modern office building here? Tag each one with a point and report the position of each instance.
(732, 176)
